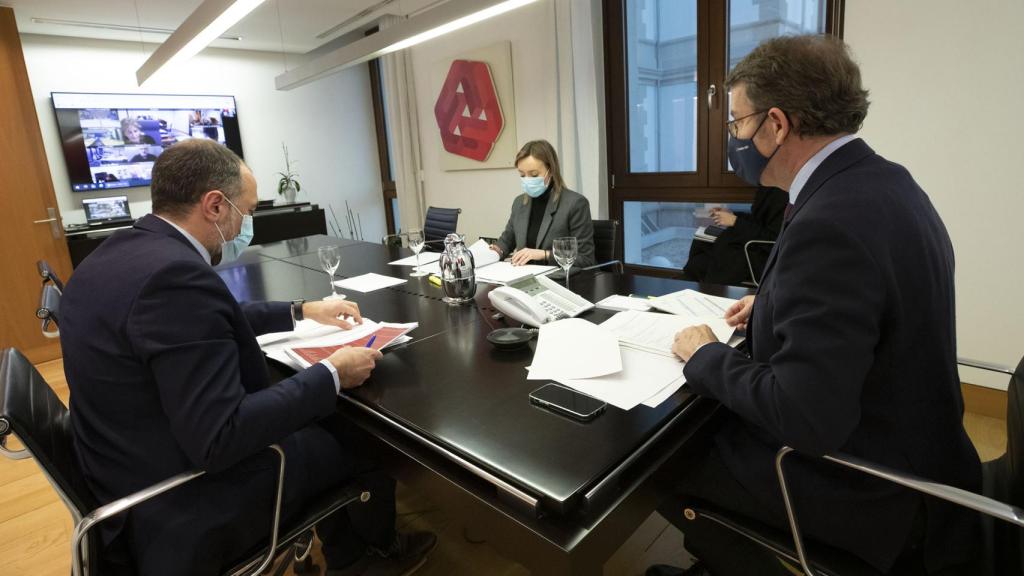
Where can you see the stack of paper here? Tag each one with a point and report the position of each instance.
(693, 304)
(620, 303)
(655, 333)
(424, 258)
(489, 268)
(309, 334)
(369, 282)
(574, 349)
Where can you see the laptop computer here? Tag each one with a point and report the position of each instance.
(102, 211)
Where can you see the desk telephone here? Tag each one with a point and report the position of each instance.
(536, 300)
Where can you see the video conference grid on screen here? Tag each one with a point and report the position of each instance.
(111, 141)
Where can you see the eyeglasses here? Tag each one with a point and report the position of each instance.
(734, 129)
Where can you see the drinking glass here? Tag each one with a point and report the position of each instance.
(330, 259)
(416, 240)
(564, 249)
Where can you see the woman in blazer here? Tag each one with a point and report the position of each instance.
(544, 211)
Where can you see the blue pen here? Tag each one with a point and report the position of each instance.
(369, 343)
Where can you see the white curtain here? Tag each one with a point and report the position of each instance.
(581, 137)
(403, 132)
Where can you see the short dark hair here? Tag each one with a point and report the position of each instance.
(811, 78)
(189, 169)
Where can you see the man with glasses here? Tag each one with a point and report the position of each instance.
(852, 338)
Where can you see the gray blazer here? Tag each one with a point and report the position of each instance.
(569, 215)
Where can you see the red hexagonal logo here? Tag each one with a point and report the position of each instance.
(468, 111)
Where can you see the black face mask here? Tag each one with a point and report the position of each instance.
(745, 158)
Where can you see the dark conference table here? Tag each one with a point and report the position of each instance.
(452, 419)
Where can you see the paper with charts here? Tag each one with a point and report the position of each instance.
(693, 304)
(310, 335)
(654, 332)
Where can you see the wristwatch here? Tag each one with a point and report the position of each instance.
(297, 309)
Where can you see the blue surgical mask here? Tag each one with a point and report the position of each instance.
(534, 186)
(746, 159)
(231, 250)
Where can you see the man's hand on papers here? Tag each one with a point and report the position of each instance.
(354, 365)
(738, 314)
(340, 313)
(690, 339)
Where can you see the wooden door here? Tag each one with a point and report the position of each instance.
(30, 225)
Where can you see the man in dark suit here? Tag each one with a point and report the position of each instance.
(166, 376)
(852, 335)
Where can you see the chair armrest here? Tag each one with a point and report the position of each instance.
(982, 365)
(618, 264)
(123, 504)
(746, 254)
(958, 496)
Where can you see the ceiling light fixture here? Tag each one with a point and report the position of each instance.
(211, 19)
(118, 27)
(447, 17)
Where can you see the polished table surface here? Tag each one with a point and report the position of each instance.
(456, 406)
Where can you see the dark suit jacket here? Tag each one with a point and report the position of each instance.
(853, 349)
(724, 261)
(566, 215)
(166, 376)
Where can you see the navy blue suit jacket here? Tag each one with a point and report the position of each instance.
(166, 376)
(852, 349)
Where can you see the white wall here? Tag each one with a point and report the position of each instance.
(945, 84)
(328, 125)
(546, 94)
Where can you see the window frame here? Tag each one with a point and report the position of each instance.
(711, 182)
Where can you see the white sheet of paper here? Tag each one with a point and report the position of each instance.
(432, 268)
(656, 332)
(369, 282)
(693, 304)
(643, 375)
(425, 258)
(505, 272)
(482, 254)
(574, 348)
(619, 302)
(664, 393)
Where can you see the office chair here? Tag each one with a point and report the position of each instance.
(1002, 499)
(31, 410)
(48, 274)
(49, 310)
(606, 245)
(439, 223)
(755, 276)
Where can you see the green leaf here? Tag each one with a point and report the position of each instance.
(298, 187)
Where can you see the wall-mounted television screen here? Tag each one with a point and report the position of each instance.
(111, 140)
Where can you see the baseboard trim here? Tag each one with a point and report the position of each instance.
(984, 400)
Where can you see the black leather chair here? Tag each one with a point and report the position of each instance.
(1000, 503)
(439, 223)
(31, 410)
(49, 310)
(606, 245)
(48, 274)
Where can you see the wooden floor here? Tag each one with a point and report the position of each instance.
(35, 526)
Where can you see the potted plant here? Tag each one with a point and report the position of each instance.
(288, 186)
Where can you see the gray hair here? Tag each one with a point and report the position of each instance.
(813, 79)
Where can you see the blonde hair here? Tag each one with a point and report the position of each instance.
(543, 151)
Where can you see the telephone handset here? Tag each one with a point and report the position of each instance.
(537, 300)
(519, 306)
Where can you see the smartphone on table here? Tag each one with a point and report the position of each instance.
(567, 402)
